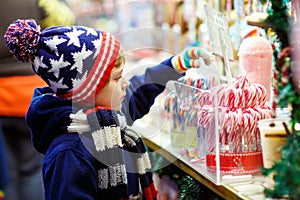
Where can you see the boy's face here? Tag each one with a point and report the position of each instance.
(112, 94)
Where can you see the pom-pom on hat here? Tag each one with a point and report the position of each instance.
(75, 61)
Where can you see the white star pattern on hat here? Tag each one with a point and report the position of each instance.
(90, 31)
(73, 35)
(75, 61)
(38, 62)
(57, 84)
(54, 42)
(56, 65)
(79, 57)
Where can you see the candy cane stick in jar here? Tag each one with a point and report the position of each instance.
(228, 126)
(230, 119)
(239, 98)
(206, 120)
(203, 98)
(228, 96)
(257, 91)
(222, 120)
(254, 98)
(239, 127)
(263, 97)
(218, 92)
(253, 122)
(248, 97)
(246, 133)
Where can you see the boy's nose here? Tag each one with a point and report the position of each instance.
(125, 84)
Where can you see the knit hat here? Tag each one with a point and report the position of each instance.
(75, 61)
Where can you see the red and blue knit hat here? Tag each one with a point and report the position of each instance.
(75, 61)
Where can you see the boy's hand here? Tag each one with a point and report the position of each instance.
(190, 58)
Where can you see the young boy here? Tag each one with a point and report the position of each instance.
(80, 121)
(24, 163)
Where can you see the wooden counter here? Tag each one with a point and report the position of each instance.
(241, 187)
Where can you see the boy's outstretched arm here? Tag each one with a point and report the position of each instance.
(146, 87)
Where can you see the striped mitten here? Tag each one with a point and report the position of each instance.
(190, 58)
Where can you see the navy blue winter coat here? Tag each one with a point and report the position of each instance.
(68, 168)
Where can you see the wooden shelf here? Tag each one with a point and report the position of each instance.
(239, 189)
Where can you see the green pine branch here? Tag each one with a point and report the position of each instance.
(285, 172)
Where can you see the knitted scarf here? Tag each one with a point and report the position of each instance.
(123, 160)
